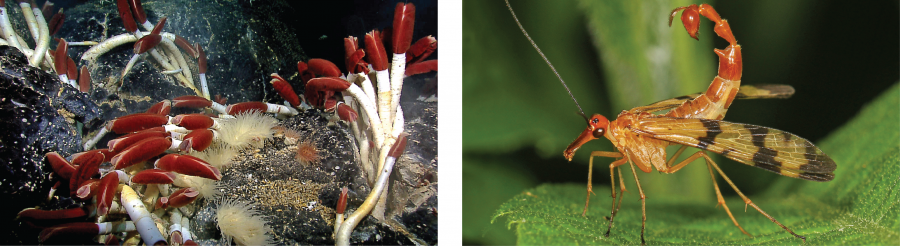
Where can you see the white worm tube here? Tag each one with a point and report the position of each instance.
(8, 32)
(219, 108)
(203, 86)
(185, 230)
(384, 100)
(43, 42)
(93, 141)
(369, 109)
(80, 43)
(114, 227)
(173, 51)
(30, 21)
(342, 237)
(130, 64)
(172, 72)
(280, 109)
(398, 70)
(142, 221)
(369, 88)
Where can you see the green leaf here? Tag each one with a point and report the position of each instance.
(860, 206)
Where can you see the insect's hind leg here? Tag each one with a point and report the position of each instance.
(747, 200)
(591, 170)
(719, 193)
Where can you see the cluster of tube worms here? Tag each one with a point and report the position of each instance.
(108, 192)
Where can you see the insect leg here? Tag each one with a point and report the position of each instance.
(675, 156)
(591, 170)
(747, 200)
(719, 194)
(676, 167)
(616, 206)
(643, 204)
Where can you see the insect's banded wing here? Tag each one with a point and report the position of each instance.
(770, 149)
(746, 92)
(765, 92)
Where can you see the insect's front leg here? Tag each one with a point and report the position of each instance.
(591, 170)
(643, 203)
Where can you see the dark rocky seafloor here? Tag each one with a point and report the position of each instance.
(245, 41)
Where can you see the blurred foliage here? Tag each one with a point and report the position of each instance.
(860, 206)
(615, 55)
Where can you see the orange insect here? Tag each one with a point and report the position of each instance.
(641, 137)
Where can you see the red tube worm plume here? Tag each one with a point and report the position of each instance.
(56, 21)
(319, 89)
(220, 99)
(158, 28)
(201, 63)
(346, 113)
(188, 165)
(148, 42)
(178, 198)
(330, 104)
(84, 80)
(190, 102)
(421, 49)
(108, 185)
(399, 146)
(186, 46)
(421, 67)
(39, 214)
(88, 165)
(307, 151)
(342, 201)
(244, 107)
(111, 240)
(66, 232)
(71, 69)
(153, 176)
(136, 122)
(404, 17)
(141, 151)
(60, 166)
(303, 70)
(284, 89)
(123, 142)
(60, 57)
(138, 10)
(377, 56)
(46, 10)
(161, 108)
(353, 56)
(324, 68)
(198, 140)
(87, 189)
(125, 13)
(193, 121)
(317, 67)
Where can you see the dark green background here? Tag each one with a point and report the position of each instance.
(517, 119)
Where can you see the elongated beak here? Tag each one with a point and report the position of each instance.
(586, 136)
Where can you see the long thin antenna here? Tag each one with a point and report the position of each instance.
(545, 58)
